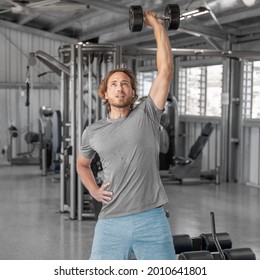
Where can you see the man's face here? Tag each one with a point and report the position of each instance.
(119, 91)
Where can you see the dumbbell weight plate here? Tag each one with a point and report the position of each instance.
(172, 14)
(136, 18)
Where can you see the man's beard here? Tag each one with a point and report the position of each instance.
(121, 103)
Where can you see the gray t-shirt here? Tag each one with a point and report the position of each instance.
(129, 152)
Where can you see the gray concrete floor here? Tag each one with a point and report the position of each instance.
(31, 226)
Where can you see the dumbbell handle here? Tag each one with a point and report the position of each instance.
(162, 17)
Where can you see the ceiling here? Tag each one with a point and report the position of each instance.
(106, 21)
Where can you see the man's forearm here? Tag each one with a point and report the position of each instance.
(87, 178)
(164, 57)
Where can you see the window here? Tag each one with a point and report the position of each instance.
(247, 89)
(145, 80)
(251, 90)
(194, 76)
(256, 90)
(214, 90)
(200, 90)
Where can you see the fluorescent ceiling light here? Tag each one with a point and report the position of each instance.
(194, 13)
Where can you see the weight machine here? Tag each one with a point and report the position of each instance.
(31, 155)
(81, 68)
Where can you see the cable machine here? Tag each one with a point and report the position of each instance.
(80, 106)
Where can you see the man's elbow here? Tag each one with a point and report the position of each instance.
(78, 166)
(82, 164)
(168, 74)
(171, 69)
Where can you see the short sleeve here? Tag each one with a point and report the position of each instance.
(85, 148)
(151, 110)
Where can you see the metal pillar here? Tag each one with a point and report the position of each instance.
(62, 157)
(80, 127)
(225, 122)
(235, 121)
(73, 143)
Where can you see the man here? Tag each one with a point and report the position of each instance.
(132, 218)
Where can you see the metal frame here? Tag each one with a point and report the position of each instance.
(72, 111)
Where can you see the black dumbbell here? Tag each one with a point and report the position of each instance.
(171, 17)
